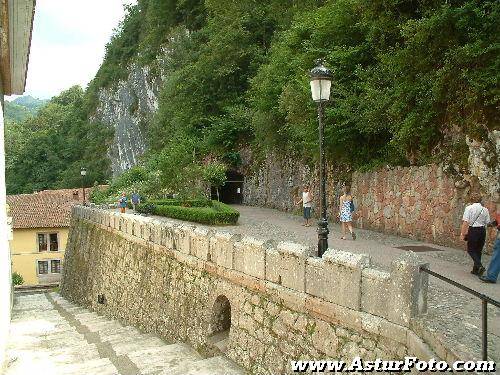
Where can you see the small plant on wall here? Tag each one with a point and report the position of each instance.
(17, 279)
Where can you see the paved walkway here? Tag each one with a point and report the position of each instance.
(454, 314)
(50, 335)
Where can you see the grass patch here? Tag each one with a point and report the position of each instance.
(214, 213)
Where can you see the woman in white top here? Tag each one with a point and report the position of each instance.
(476, 218)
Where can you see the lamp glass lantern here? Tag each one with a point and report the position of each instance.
(321, 82)
(83, 172)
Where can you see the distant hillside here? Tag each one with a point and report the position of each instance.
(23, 107)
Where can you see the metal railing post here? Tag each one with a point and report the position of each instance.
(485, 329)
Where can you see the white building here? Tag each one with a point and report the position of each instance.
(16, 22)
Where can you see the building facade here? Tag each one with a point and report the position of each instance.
(16, 22)
(40, 223)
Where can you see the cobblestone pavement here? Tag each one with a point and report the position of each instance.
(50, 335)
(453, 314)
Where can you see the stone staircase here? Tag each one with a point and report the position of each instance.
(50, 335)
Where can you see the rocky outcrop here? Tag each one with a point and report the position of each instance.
(127, 107)
(484, 163)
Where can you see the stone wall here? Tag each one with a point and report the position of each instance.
(416, 202)
(278, 182)
(284, 304)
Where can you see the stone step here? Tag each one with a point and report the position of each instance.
(209, 366)
(123, 335)
(123, 348)
(109, 325)
(97, 366)
(154, 360)
(108, 333)
(66, 355)
(25, 342)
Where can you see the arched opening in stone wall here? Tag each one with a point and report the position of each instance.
(220, 323)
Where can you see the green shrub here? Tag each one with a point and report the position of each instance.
(216, 214)
(17, 279)
(183, 202)
(147, 208)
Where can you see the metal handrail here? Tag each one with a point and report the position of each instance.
(484, 301)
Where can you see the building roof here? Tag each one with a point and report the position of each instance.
(46, 209)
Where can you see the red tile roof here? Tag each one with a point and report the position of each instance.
(46, 209)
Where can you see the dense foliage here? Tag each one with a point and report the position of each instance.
(47, 151)
(412, 78)
(17, 279)
(22, 107)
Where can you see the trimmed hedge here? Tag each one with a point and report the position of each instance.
(218, 214)
(183, 203)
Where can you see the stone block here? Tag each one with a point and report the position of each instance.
(375, 287)
(418, 348)
(169, 233)
(222, 248)
(337, 277)
(114, 221)
(182, 238)
(250, 256)
(200, 242)
(408, 289)
(286, 265)
(157, 232)
(107, 220)
(146, 229)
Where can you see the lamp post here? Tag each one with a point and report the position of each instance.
(83, 172)
(321, 82)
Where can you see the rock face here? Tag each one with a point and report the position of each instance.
(484, 163)
(128, 107)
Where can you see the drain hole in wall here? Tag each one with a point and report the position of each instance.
(279, 279)
(101, 299)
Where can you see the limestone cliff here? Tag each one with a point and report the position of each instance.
(128, 106)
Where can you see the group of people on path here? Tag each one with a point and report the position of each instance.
(123, 201)
(345, 214)
(476, 219)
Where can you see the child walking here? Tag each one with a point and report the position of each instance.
(122, 202)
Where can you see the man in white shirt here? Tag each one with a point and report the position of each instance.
(476, 218)
(306, 201)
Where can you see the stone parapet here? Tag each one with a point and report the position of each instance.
(275, 289)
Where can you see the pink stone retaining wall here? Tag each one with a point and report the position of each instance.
(416, 202)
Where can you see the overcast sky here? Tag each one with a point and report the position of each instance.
(67, 47)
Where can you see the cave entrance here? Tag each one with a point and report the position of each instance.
(232, 191)
(220, 323)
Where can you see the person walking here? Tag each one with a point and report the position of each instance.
(475, 219)
(306, 200)
(346, 206)
(494, 267)
(136, 200)
(122, 203)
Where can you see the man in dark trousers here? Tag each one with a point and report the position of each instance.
(476, 218)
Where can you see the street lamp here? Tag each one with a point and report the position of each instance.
(83, 172)
(321, 82)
